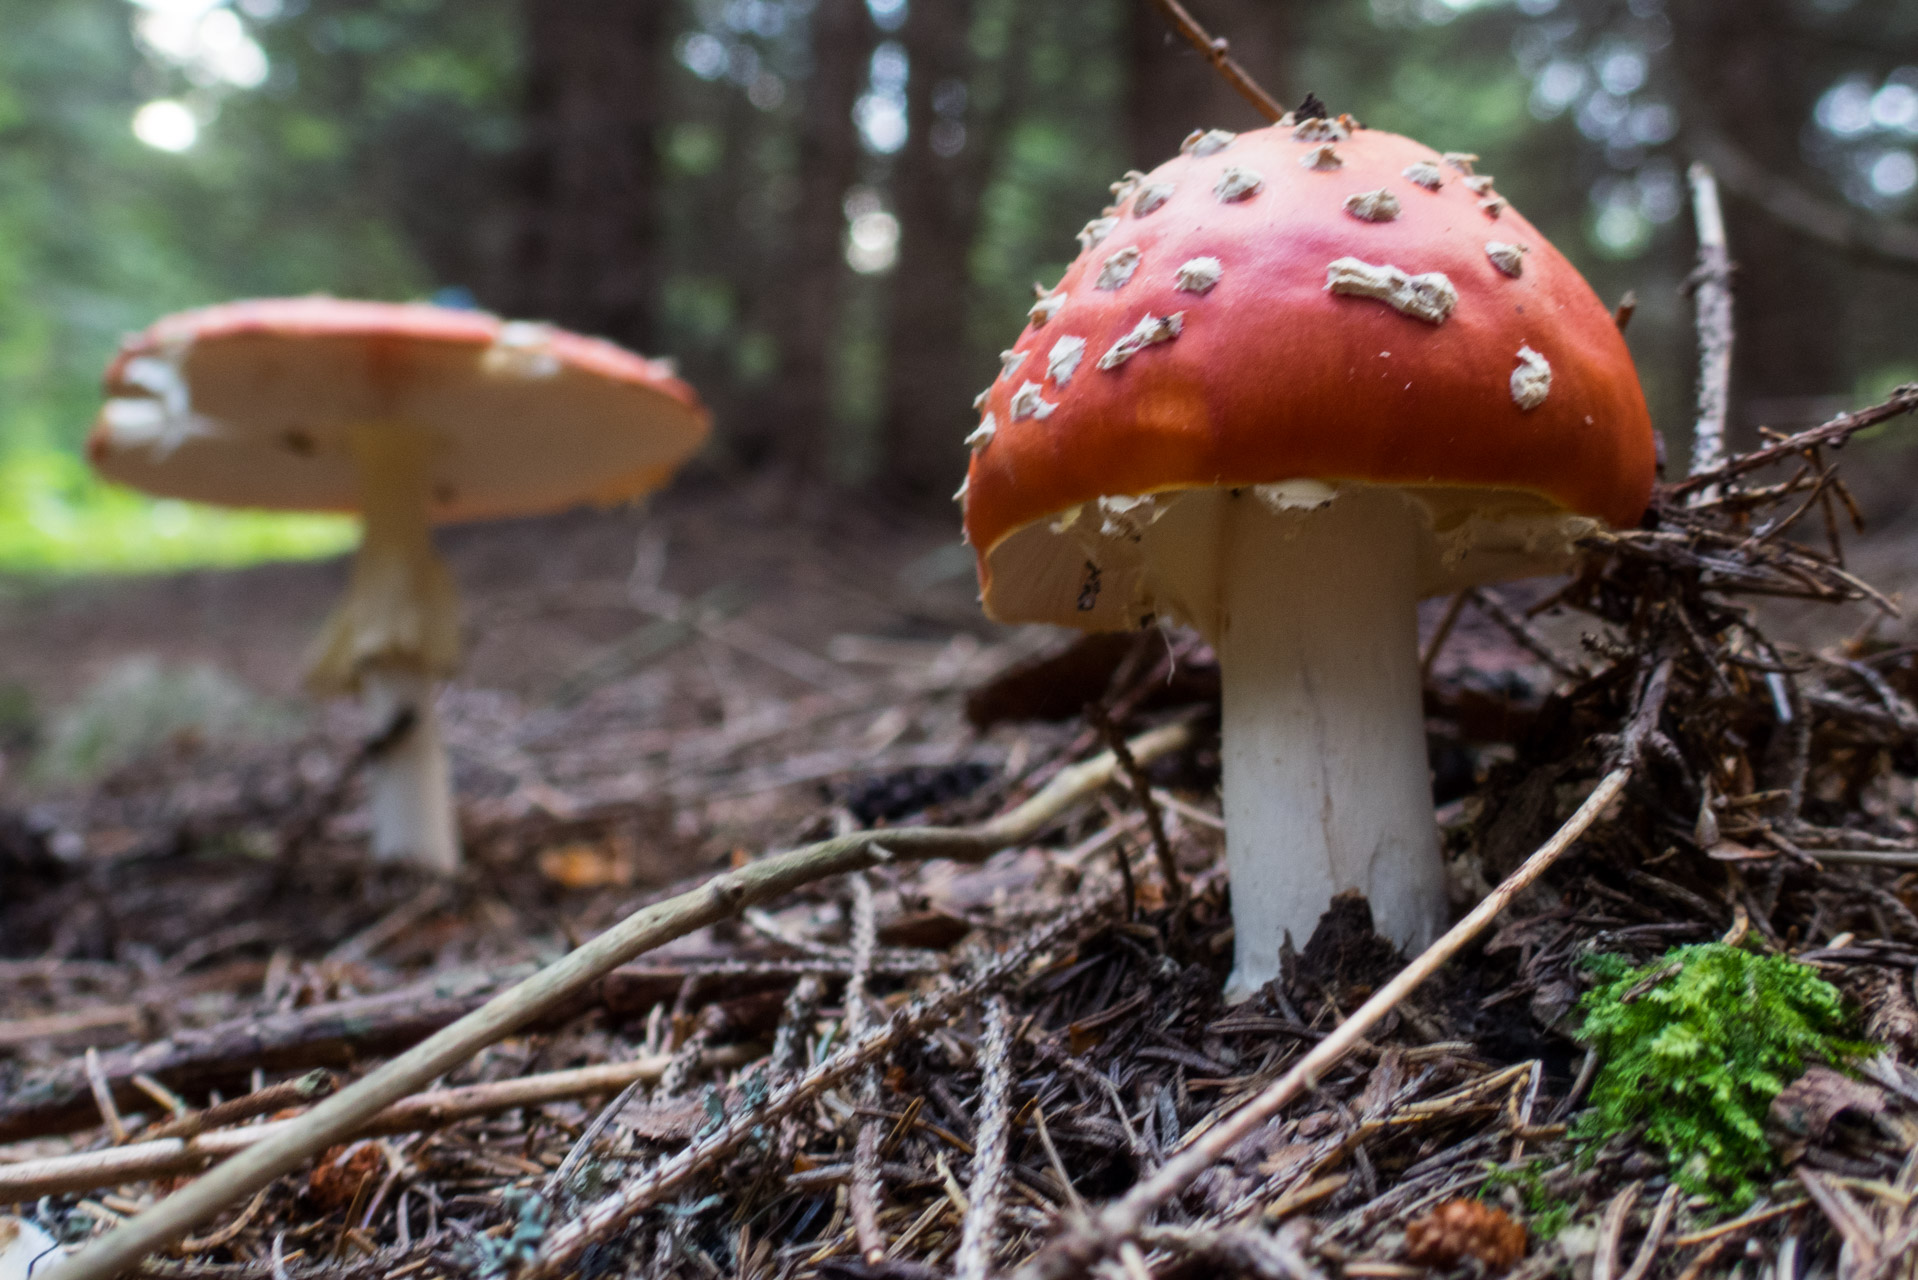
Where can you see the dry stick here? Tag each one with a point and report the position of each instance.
(1712, 299)
(1141, 785)
(1080, 1247)
(988, 1188)
(159, 1157)
(60, 1099)
(1626, 309)
(863, 1196)
(562, 1249)
(1217, 53)
(719, 898)
(297, 1092)
(1654, 1236)
(1440, 634)
(1514, 626)
(1611, 1231)
(1836, 430)
(789, 1042)
(103, 1097)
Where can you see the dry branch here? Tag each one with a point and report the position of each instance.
(1217, 52)
(1080, 1247)
(338, 1034)
(1833, 431)
(160, 1157)
(561, 1250)
(723, 896)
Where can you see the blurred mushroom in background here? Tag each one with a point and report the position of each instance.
(412, 416)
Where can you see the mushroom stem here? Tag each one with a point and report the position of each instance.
(1327, 786)
(396, 631)
(409, 787)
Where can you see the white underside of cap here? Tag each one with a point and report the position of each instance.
(267, 424)
(1119, 561)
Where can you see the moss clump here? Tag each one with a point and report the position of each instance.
(1696, 1046)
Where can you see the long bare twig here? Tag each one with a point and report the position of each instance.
(1217, 52)
(1836, 430)
(160, 1157)
(1084, 1245)
(863, 1195)
(979, 1234)
(719, 898)
(560, 1252)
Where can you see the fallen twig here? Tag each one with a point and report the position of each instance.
(1081, 1246)
(561, 1251)
(863, 1195)
(979, 1235)
(298, 1092)
(336, 1034)
(723, 896)
(1836, 430)
(162, 1157)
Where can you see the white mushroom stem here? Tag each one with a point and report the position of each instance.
(1327, 787)
(409, 785)
(391, 637)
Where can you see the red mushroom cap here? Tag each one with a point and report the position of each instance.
(1222, 346)
(250, 403)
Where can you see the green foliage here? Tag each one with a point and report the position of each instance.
(325, 178)
(1696, 1046)
(57, 517)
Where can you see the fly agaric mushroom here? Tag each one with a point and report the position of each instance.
(1338, 375)
(410, 415)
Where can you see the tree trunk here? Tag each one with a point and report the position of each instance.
(789, 430)
(586, 251)
(928, 382)
(1174, 90)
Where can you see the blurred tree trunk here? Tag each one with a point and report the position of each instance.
(1174, 90)
(1751, 68)
(957, 116)
(790, 428)
(586, 248)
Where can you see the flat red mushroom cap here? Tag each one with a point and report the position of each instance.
(252, 404)
(1196, 343)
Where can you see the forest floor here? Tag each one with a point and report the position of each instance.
(651, 698)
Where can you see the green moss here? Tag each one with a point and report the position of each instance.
(1546, 1212)
(1695, 1047)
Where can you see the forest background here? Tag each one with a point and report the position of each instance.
(831, 212)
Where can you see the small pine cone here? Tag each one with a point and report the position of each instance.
(340, 1173)
(1459, 1229)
